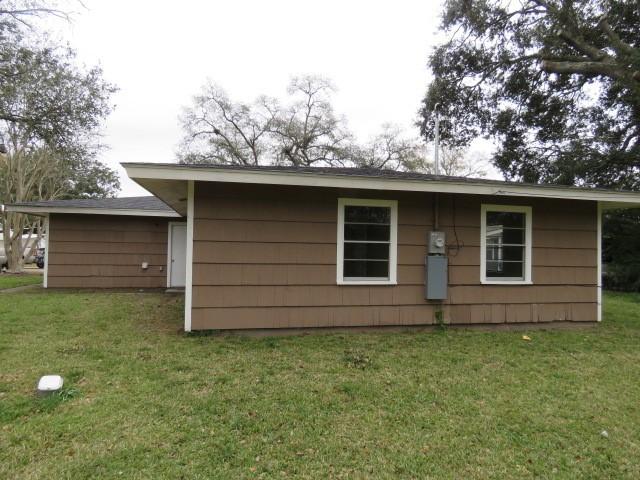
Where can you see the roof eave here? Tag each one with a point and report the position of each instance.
(182, 173)
(44, 210)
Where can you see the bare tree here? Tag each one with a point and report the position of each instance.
(20, 14)
(220, 131)
(392, 149)
(458, 162)
(303, 130)
(308, 132)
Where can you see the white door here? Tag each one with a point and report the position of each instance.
(178, 267)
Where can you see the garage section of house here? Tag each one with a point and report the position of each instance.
(289, 248)
(111, 243)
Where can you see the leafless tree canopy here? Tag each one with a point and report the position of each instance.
(220, 131)
(391, 149)
(302, 130)
(308, 132)
(16, 15)
(457, 162)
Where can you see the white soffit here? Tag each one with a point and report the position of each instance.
(170, 192)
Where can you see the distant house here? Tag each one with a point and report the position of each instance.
(290, 248)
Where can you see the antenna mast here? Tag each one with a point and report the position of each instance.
(437, 138)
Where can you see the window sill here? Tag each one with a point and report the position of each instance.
(506, 282)
(366, 282)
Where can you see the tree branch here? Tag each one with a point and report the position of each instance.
(620, 46)
(585, 67)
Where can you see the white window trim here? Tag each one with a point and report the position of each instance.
(393, 241)
(483, 243)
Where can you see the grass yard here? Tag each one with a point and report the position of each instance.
(143, 401)
(12, 280)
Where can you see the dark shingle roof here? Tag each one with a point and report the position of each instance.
(349, 171)
(149, 203)
(365, 172)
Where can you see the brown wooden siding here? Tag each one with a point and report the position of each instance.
(107, 251)
(265, 257)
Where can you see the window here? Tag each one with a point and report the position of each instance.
(367, 238)
(505, 244)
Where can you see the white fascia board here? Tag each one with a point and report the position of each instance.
(91, 211)
(167, 172)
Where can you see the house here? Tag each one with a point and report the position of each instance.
(109, 243)
(290, 248)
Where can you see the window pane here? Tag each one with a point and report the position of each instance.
(500, 269)
(513, 254)
(360, 214)
(513, 235)
(505, 219)
(501, 236)
(505, 253)
(370, 251)
(358, 231)
(364, 269)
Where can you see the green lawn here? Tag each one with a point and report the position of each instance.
(144, 401)
(11, 280)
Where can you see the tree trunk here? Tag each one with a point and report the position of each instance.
(13, 245)
(15, 259)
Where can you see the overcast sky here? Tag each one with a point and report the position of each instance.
(159, 54)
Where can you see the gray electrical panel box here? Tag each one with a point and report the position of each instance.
(437, 243)
(437, 277)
